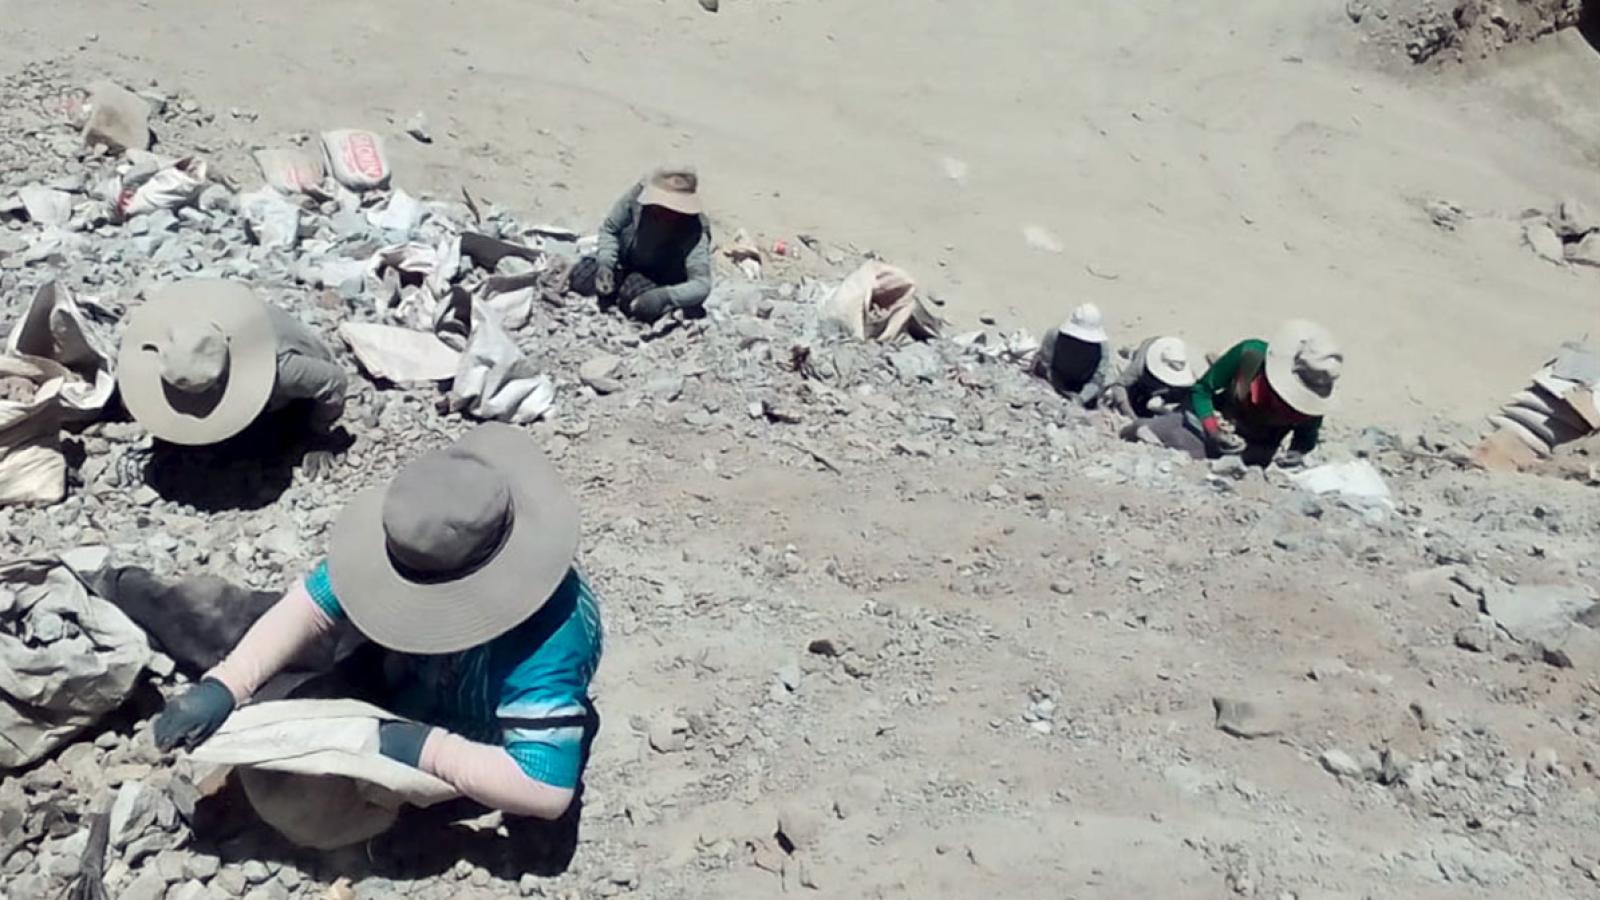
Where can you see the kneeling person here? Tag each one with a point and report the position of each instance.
(655, 249)
(462, 569)
(203, 360)
(1076, 357)
(1156, 380)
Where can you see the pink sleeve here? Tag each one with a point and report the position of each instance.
(276, 638)
(490, 776)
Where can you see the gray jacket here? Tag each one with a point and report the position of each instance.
(1142, 387)
(681, 267)
(306, 371)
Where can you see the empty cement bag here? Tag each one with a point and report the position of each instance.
(312, 770)
(55, 327)
(356, 158)
(32, 469)
(290, 170)
(66, 658)
(878, 302)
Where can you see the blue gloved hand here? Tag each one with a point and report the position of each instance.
(194, 715)
(402, 741)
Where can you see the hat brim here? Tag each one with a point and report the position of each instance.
(252, 361)
(1083, 333)
(449, 616)
(677, 201)
(1152, 365)
(1280, 369)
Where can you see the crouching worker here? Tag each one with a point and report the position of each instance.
(1075, 356)
(462, 569)
(1157, 380)
(655, 249)
(1267, 391)
(204, 360)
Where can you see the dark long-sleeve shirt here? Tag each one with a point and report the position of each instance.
(1236, 386)
(680, 263)
(1142, 386)
(1074, 367)
(306, 371)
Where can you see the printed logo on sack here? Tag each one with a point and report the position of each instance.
(361, 154)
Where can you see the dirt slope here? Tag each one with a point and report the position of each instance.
(1227, 164)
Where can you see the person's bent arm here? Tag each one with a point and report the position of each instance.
(282, 632)
(276, 638)
(491, 776)
(1218, 378)
(609, 249)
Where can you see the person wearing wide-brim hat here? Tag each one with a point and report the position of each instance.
(1155, 381)
(1270, 390)
(654, 254)
(1076, 357)
(201, 360)
(462, 568)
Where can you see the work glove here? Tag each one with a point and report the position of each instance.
(1222, 442)
(605, 280)
(402, 741)
(1227, 443)
(651, 306)
(633, 287)
(317, 464)
(1116, 399)
(1291, 459)
(194, 715)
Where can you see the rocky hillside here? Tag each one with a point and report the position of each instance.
(883, 621)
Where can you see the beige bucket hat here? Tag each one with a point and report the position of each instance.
(462, 546)
(1303, 366)
(198, 361)
(675, 188)
(1086, 324)
(1167, 361)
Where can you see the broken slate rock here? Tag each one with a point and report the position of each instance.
(1542, 613)
(1476, 638)
(916, 362)
(118, 118)
(798, 827)
(148, 886)
(1243, 719)
(1341, 764)
(133, 811)
(417, 127)
(1543, 240)
(600, 374)
(1585, 252)
(1574, 220)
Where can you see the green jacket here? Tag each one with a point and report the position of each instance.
(1226, 387)
(681, 265)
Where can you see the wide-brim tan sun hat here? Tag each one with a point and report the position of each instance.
(1303, 367)
(442, 610)
(1167, 361)
(181, 417)
(674, 187)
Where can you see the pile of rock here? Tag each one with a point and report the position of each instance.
(1570, 234)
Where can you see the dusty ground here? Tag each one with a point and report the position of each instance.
(1229, 164)
(957, 636)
